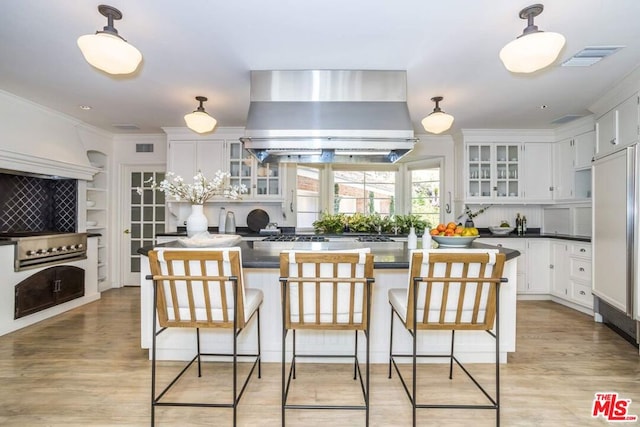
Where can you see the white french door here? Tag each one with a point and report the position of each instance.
(143, 216)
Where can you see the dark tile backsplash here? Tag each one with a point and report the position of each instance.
(37, 204)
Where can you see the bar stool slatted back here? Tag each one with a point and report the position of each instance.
(203, 288)
(326, 290)
(449, 289)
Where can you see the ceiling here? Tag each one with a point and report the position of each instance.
(208, 47)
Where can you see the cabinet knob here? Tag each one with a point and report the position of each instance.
(613, 141)
(583, 250)
(551, 266)
(581, 269)
(583, 293)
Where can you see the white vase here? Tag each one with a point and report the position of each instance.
(196, 222)
(412, 239)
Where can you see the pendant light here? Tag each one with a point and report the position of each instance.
(200, 121)
(438, 121)
(533, 49)
(106, 50)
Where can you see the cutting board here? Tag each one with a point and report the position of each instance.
(257, 220)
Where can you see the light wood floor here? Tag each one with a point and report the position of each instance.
(86, 368)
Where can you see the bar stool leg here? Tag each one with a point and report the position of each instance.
(355, 360)
(453, 335)
(390, 341)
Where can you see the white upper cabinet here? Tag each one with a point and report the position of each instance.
(563, 169)
(187, 154)
(571, 166)
(618, 127)
(186, 158)
(508, 172)
(262, 180)
(628, 121)
(537, 159)
(584, 147)
(492, 171)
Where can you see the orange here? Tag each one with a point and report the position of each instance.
(459, 229)
(441, 227)
(434, 232)
(452, 225)
(448, 232)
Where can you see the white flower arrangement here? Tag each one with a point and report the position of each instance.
(200, 191)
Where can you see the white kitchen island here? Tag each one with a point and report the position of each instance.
(261, 271)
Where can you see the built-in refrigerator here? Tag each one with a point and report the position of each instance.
(615, 240)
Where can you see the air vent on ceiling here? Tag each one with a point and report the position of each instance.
(566, 119)
(590, 55)
(144, 148)
(126, 127)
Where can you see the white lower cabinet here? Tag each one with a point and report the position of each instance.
(538, 276)
(525, 263)
(559, 273)
(571, 274)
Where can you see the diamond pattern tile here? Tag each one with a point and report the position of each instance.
(37, 204)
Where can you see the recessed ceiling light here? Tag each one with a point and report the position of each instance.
(85, 107)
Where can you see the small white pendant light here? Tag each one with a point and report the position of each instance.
(438, 121)
(200, 121)
(106, 50)
(533, 49)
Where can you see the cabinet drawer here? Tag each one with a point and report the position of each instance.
(581, 294)
(580, 269)
(581, 250)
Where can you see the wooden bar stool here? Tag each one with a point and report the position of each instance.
(331, 291)
(449, 290)
(202, 289)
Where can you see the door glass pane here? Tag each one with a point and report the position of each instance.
(308, 197)
(147, 214)
(425, 194)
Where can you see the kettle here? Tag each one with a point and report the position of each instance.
(230, 223)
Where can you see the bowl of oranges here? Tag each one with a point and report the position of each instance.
(452, 235)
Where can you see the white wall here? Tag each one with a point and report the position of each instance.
(432, 146)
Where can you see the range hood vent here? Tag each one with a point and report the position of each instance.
(328, 116)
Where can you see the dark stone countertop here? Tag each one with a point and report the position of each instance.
(487, 234)
(533, 233)
(382, 258)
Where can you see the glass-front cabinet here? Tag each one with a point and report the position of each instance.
(493, 171)
(261, 179)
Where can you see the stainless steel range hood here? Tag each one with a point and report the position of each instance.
(328, 116)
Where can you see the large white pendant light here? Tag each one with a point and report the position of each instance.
(106, 50)
(200, 121)
(438, 121)
(534, 49)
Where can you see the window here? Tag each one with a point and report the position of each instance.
(365, 192)
(308, 196)
(413, 188)
(425, 193)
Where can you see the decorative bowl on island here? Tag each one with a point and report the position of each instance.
(501, 231)
(454, 241)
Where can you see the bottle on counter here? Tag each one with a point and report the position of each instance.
(412, 239)
(524, 225)
(518, 225)
(222, 217)
(230, 223)
(426, 239)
